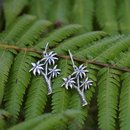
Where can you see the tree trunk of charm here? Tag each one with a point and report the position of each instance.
(49, 87)
(48, 84)
(82, 96)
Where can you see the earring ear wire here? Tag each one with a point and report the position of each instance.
(71, 57)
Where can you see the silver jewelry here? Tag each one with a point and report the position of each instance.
(78, 80)
(42, 67)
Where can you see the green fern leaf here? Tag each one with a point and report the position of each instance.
(106, 15)
(59, 35)
(59, 11)
(89, 52)
(40, 9)
(123, 59)
(57, 120)
(33, 33)
(3, 115)
(107, 98)
(83, 13)
(7, 59)
(124, 105)
(75, 102)
(12, 8)
(123, 16)
(36, 98)
(47, 121)
(60, 96)
(14, 32)
(79, 41)
(113, 51)
(30, 124)
(17, 83)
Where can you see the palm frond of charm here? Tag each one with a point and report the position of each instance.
(68, 82)
(37, 68)
(78, 80)
(44, 67)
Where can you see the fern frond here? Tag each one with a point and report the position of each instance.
(123, 59)
(12, 34)
(79, 41)
(123, 16)
(12, 8)
(75, 102)
(60, 95)
(83, 13)
(3, 115)
(59, 11)
(97, 48)
(113, 51)
(59, 35)
(29, 124)
(6, 59)
(106, 15)
(17, 83)
(124, 105)
(40, 9)
(36, 98)
(33, 33)
(107, 98)
(47, 121)
(56, 120)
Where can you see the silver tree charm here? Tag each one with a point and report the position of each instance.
(44, 67)
(78, 81)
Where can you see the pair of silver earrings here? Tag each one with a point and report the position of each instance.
(48, 69)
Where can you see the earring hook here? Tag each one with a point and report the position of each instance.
(72, 60)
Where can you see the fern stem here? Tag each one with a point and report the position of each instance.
(114, 66)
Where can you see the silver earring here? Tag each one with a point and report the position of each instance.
(42, 67)
(78, 80)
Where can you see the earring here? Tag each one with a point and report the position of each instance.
(78, 80)
(44, 67)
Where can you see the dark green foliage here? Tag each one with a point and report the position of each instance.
(12, 8)
(59, 35)
(60, 97)
(79, 41)
(59, 11)
(124, 106)
(17, 84)
(106, 15)
(47, 121)
(123, 16)
(108, 87)
(83, 11)
(40, 9)
(36, 98)
(4, 69)
(24, 103)
(93, 45)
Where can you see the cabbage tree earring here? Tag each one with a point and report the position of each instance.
(42, 67)
(78, 80)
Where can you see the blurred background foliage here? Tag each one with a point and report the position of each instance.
(111, 16)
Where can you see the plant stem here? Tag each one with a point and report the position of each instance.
(94, 62)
